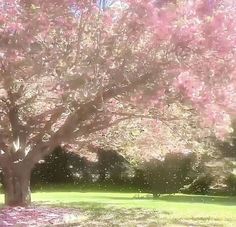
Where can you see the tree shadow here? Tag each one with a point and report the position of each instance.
(219, 200)
(205, 199)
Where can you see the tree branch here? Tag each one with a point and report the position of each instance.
(134, 115)
(75, 119)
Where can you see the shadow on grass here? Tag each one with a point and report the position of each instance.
(225, 201)
(98, 209)
(220, 200)
(92, 206)
(99, 215)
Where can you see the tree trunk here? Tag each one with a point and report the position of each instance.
(17, 186)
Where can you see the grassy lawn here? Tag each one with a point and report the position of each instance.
(133, 209)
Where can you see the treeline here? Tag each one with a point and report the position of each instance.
(177, 172)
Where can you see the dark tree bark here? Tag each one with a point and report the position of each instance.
(16, 181)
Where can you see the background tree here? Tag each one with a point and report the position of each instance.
(169, 175)
(67, 68)
(54, 169)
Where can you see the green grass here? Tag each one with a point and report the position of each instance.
(133, 209)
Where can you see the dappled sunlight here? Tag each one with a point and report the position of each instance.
(133, 209)
(118, 113)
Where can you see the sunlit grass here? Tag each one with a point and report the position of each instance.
(139, 208)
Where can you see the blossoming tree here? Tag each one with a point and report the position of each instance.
(68, 69)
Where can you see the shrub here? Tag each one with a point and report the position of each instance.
(169, 175)
(231, 184)
(201, 185)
